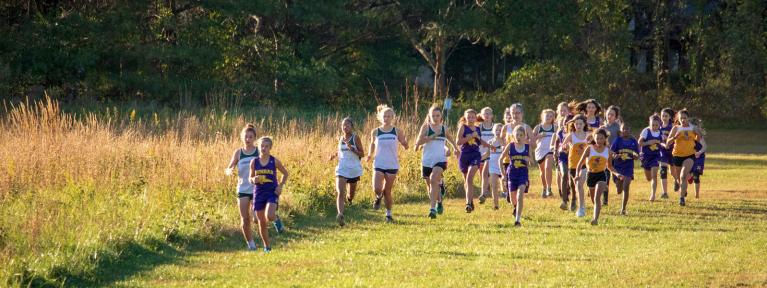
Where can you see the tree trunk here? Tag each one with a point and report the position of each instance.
(439, 69)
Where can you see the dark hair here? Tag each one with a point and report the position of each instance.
(571, 123)
(581, 107)
(348, 119)
(615, 109)
(599, 131)
(680, 112)
(668, 111)
(656, 117)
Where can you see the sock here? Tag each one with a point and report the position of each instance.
(252, 244)
(388, 212)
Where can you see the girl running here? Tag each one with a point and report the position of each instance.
(493, 166)
(625, 149)
(613, 127)
(697, 169)
(517, 174)
(599, 159)
(263, 174)
(684, 136)
(517, 119)
(506, 130)
(349, 169)
(651, 142)
(667, 117)
(563, 175)
(486, 127)
(241, 159)
(433, 136)
(469, 139)
(543, 133)
(592, 110)
(575, 141)
(384, 155)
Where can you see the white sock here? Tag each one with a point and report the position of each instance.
(251, 244)
(388, 212)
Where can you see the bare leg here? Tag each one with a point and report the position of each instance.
(520, 202)
(263, 231)
(469, 183)
(494, 189)
(388, 200)
(600, 188)
(626, 183)
(245, 218)
(341, 196)
(434, 180)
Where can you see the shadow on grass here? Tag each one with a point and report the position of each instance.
(135, 257)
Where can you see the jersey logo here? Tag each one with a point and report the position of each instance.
(654, 147)
(518, 164)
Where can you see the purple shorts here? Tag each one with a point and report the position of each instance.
(697, 167)
(261, 199)
(562, 159)
(649, 161)
(469, 159)
(514, 183)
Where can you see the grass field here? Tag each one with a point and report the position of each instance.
(141, 200)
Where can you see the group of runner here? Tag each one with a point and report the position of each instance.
(585, 145)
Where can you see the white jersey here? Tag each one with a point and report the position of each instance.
(434, 150)
(349, 164)
(243, 172)
(386, 156)
(485, 134)
(543, 146)
(494, 156)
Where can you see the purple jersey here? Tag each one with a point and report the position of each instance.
(268, 175)
(517, 169)
(665, 153)
(654, 149)
(596, 124)
(472, 145)
(697, 167)
(625, 150)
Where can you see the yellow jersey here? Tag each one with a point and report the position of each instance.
(577, 147)
(684, 143)
(598, 160)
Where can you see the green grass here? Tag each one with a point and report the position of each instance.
(717, 240)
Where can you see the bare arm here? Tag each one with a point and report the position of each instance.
(504, 154)
(671, 136)
(702, 141)
(459, 139)
(253, 178)
(583, 161)
(449, 138)
(283, 176)
(422, 138)
(360, 150)
(402, 139)
(372, 149)
(235, 159)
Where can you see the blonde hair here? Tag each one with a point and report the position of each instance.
(486, 109)
(464, 121)
(497, 126)
(381, 110)
(514, 132)
(248, 128)
(266, 139)
(548, 111)
(517, 106)
(433, 108)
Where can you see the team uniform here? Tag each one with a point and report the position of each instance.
(650, 155)
(470, 155)
(349, 164)
(697, 168)
(264, 191)
(577, 147)
(386, 157)
(665, 152)
(625, 149)
(494, 169)
(594, 125)
(562, 155)
(244, 187)
(597, 165)
(684, 145)
(517, 173)
(544, 143)
(433, 154)
(485, 135)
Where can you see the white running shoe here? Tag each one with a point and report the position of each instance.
(581, 212)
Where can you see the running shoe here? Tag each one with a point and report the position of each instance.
(681, 201)
(278, 225)
(664, 196)
(433, 213)
(482, 199)
(389, 219)
(440, 208)
(377, 203)
(563, 206)
(581, 212)
(340, 219)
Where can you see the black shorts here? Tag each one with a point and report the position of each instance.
(594, 178)
(387, 171)
(426, 171)
(350, 180)
(544, 158)
(574, 172)
(244, 195)
(679, 161)
(609, 175)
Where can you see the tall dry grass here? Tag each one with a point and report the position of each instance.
(73, 187)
